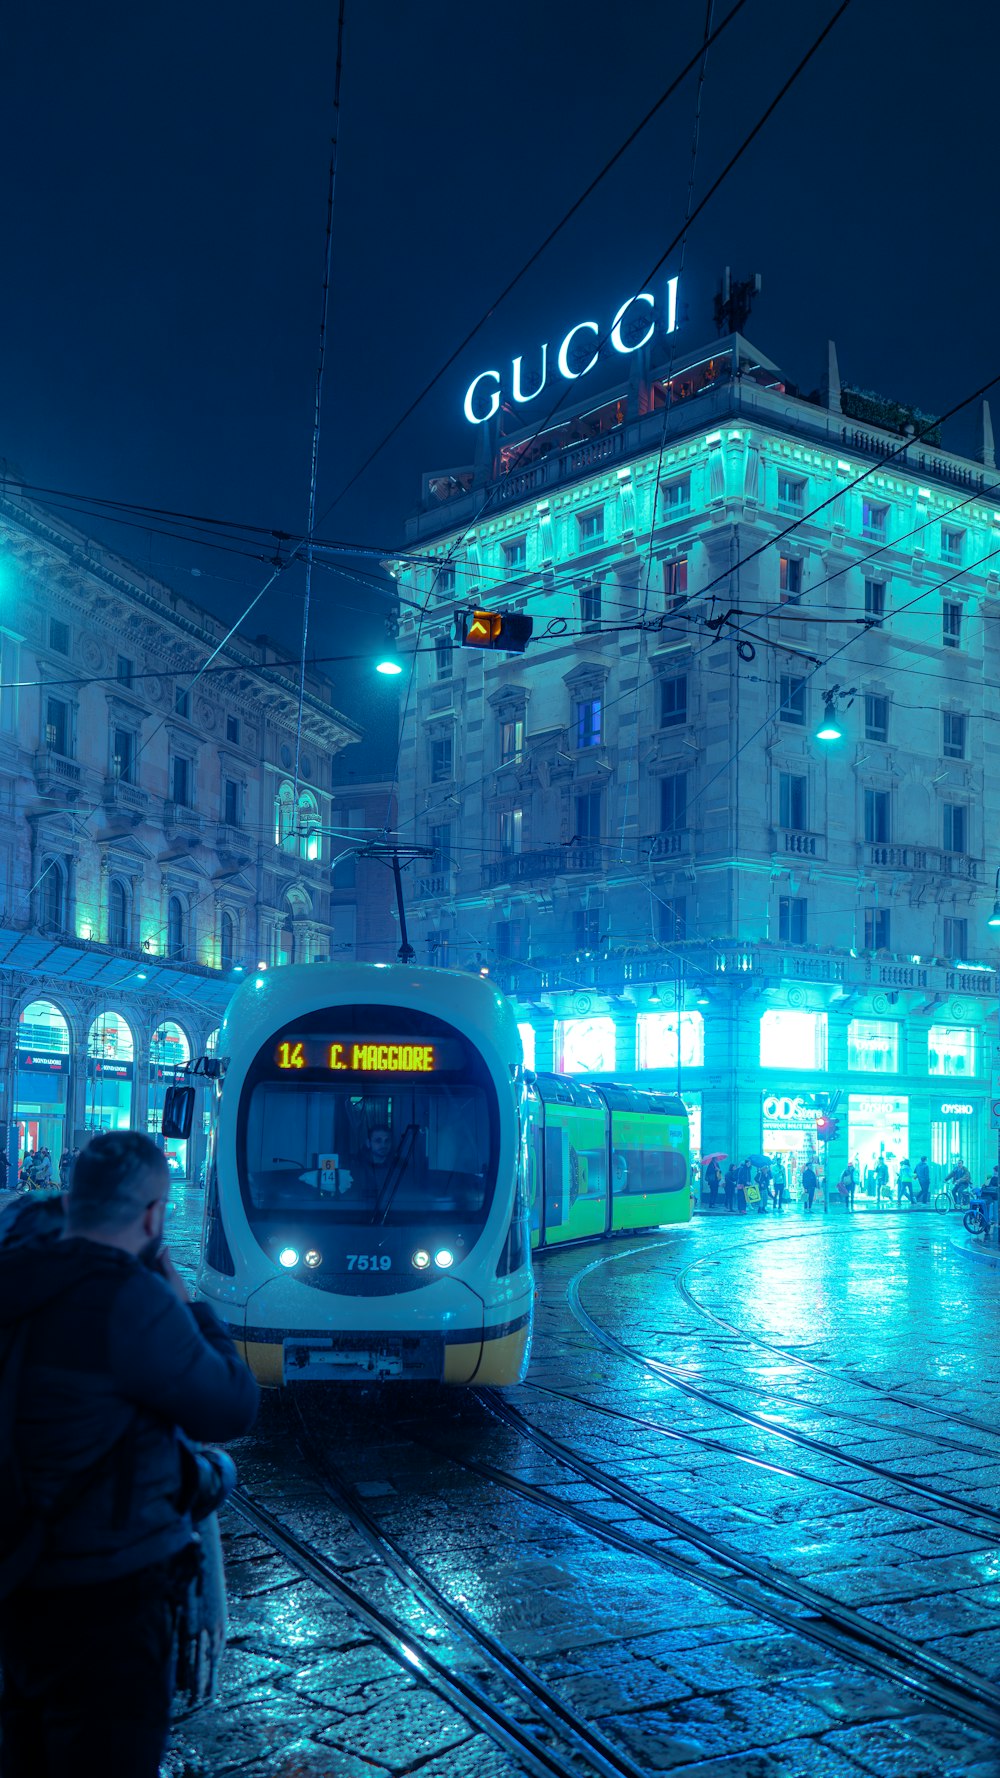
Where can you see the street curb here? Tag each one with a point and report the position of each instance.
(977, 1255)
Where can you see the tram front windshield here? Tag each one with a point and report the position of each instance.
(390, 1125)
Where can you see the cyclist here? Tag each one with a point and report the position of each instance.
(960, 1180)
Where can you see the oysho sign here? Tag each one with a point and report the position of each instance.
(633, 326)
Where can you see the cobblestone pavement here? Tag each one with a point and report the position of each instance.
(869, 1339)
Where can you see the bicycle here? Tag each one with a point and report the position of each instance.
(978, 1217)
(955, 1197)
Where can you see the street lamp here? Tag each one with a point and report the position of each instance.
(829, 729)
(389, 663)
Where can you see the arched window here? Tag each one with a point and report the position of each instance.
(111, 1039)
(227, 939)
(310, 839)
(119, 914)
(284, 815)
(176, 929)
(53, 895)
(212, 1042)
(43, 1027)
(168, 1046)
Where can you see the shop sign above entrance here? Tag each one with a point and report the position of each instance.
(951, 1109)
(633, 326)
(789, 1110)
(42, 1062)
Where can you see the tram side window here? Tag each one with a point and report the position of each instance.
(643, 1158)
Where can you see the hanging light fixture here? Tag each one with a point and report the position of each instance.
(654, 998)
(829, 729)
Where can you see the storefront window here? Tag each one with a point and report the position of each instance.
(788, 1130)
(657, 1034)
(110, 1072)
(873, 1045)
(951, 1049)
(792, 1039)
(957, 1135)
(169, 1049)
(41, 1081)
(878, 1128)
(527, 1035)
(585, 1046)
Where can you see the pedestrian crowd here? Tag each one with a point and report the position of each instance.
(35, 1172)
(760, 1183)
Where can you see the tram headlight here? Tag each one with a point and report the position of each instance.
(421, 1259)
(314, 1258)
(444, 1258)
(288, 1257)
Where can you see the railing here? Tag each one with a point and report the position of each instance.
(869, 444)
(921, 858)
(440, 884)
(118, 793)
(795, 841)
(669, 845)
(49, 764)
(555, 861)
(233, 840)
(180, 816)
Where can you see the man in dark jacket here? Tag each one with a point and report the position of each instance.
(116, 1359)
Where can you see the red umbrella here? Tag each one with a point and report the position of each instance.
(714, 1157)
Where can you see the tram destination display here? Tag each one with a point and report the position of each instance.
(332, 1054)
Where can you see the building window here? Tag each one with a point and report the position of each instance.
(791, 493)
(310, 837)
(511, 740)
(952, 545)
(674, 701)
(588, 815)
(510, 940)
(182, 701)
(792, 801)
(877, 824)
(227, 939)
(233, 730)
(675, 582)
(586, 929)
(790, 579)
(677, 497)
(176, 929)
(956, 937)
(793, 920)
(585, 1046)
(873, 1046)
(231, 802)
(954, 735)
(440, 841)
(515, 554)
(509, 826)
(123, 755)
(119, 914)
(951, 1049)
(660, 1034)
(877, 929)
(284, 815)
(587, 722)
(876, 717)
(673, 802)
(955, 827)
(671, 920)
(590, 528)
(125, 671)
(10, 664)
(58, 635)
(53, 895)
(875, 602)
(793, 699)
(58, 733)
(590, 605)
(792, 1039)
(444, 657)
(441, 758)
(951, 625)
(444, 579)
(874, 520)
(181, 781)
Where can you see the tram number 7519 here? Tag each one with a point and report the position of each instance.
(369, 1262)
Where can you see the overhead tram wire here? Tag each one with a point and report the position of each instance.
(532, 259)
(318, 401)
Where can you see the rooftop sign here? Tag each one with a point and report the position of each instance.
(633, 326)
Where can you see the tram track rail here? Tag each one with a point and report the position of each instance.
(969, 1509)
(741, 1580)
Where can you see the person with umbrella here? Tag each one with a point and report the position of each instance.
(712, 1176)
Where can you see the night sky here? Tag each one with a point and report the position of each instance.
(163, 237)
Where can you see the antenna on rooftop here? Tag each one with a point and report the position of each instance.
(734, 301)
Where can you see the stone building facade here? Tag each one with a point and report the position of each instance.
(155, 841)
(634, 824)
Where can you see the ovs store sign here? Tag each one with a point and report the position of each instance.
(632, 327)
(782, 1112)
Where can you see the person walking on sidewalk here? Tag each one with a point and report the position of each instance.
(810, 1183)
(904, 1182)
(744, 1178)
(713, 1179)
(113, 1364)
(922, 1175)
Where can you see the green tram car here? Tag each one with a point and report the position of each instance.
(604, 1159)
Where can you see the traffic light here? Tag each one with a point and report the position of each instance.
(507, 632)
(827, 1127)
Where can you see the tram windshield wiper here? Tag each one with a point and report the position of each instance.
(397, 1167)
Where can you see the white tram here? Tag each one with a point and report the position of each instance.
(366, 1212)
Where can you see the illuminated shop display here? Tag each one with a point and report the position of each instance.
(873, 1046)
(110, 1071)
(527, 1035)
(792, 1039)
(877, 1126)
(41, 1083)
(951, 1049)
(585, 1046)
(656, 1034)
